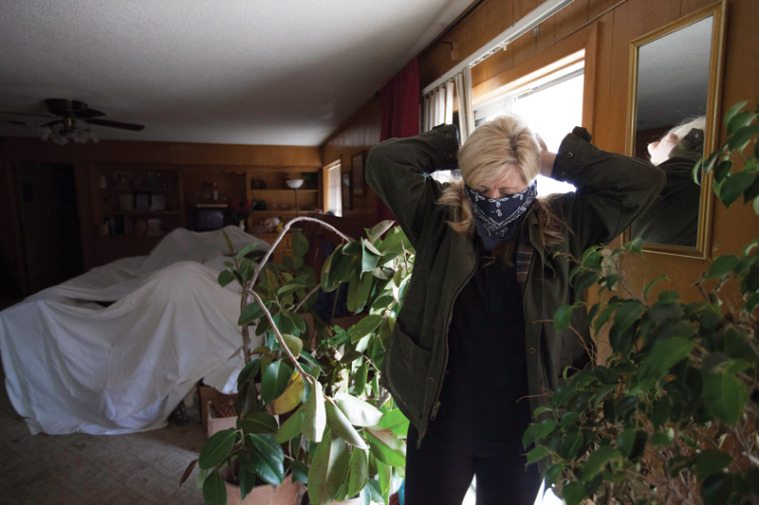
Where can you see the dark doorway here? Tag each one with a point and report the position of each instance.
(49, 223)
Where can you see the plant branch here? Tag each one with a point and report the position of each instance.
(282, 234)
(308, 295)
(281, 339)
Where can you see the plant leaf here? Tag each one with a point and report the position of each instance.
(251, 313)
(225, 277)
(294, 344)
(292, 396)
(664, 354)
(597, 460)
(628, 312)
(359, 288)
(563, 316)
(379, 229)
(537, 454)
(264, 457)
(386, 447)
(299, 243)
(733, 186)
(314, 414)
(291, 428)
(248, 481)
(358, 412)
(722, 170)
(217, 448)
(721, 266)
(214, 492)
(274, 380)
(739, 120)
(574, 493)
(715, 488)
(733, 111)
(724, 396)
(395, 421)
(341, 427)
(571, 445)
(366, 325)
(358, 471)
(242, 253)
(650, 285)
(318, 473)
(259, 422)
(711, 461)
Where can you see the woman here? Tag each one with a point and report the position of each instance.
(492, 265)
(673, 217)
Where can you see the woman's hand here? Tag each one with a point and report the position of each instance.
(547, 158)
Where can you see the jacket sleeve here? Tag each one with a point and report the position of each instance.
(398, 170)
(612, 190)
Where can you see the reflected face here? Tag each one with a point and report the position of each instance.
(508, 182)
(660, 149)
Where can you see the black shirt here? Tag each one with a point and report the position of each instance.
(486, 372)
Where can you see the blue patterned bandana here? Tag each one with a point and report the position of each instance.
(496, 219)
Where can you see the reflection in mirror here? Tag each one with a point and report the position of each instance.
(673, 76)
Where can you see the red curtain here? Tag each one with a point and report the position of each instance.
(399, 102)
(399, 105)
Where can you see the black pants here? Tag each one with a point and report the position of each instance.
(439, 473)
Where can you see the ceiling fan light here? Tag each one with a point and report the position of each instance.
(79, 136)
(61, 136)
(59, 139)
(44, 133)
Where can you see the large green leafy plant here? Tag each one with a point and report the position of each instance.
(310, 403)
(671, 416)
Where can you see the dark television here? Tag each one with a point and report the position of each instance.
(211, 218)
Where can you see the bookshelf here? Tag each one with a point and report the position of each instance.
(134, 207)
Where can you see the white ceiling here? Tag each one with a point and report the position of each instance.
(276, 72)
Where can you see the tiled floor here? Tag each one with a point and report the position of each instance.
(141, 468)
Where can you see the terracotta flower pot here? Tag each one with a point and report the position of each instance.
(287, 493)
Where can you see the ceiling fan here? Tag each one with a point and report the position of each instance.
(68, 125)
(71, 111)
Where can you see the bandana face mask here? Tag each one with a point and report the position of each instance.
(496, 219)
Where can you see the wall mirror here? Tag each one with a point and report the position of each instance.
(674, 81)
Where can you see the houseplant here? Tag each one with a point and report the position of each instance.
(309, 399)
(240, 210)
(671, 416)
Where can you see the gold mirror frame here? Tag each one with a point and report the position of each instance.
(717, 12)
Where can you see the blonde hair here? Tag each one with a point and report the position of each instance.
(495, 146)
(499, 144)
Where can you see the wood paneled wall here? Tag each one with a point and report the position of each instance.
(359, 134)
(83, 156)
(613, 24)
(610, 25)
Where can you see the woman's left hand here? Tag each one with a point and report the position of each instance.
(547, 158)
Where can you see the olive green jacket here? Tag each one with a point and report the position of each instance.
(611, 190)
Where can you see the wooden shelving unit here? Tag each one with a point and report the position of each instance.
(267, 189)
(134, 207)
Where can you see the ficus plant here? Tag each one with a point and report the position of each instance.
(310, 403)
(671, 416)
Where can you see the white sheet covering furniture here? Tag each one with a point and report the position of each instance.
(75, 365)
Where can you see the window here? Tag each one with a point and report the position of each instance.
(550, 100)
(333, 202)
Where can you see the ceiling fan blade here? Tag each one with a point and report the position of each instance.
(87, 113)
(31, 114)
(52, 123)
(115, 124)
(14, 122)
(63, 106)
